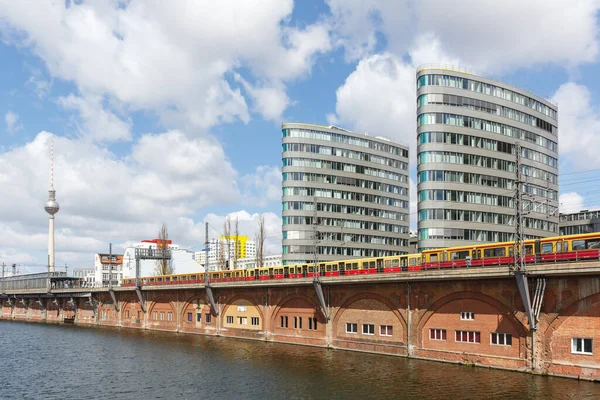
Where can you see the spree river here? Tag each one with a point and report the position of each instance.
(42, 361)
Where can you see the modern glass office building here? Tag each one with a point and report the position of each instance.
(350, 188)
(467, 130)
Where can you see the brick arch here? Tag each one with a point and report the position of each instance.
(160, 300)
(465, 295)
(289, 298)
(568, 312)
(232, 300)
(369, 296)
(190, 300)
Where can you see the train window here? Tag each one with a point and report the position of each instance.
(547, 248)
(495, 252)
(461, 255)
(413, 261)
(511, 251)
(529, 249)
(395, 262)
(593, 244)
(354, 265)
(559, 247)
(578, 245)
(372, 264)
(477, 254)
(433, 257)
(444, 256)
(388, 263)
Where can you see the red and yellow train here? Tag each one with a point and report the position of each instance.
(571, 248)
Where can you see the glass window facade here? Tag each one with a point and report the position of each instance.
(467, 131)
(350, 188)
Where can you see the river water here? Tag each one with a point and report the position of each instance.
(43, 361)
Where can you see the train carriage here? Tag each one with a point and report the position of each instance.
(571, 248)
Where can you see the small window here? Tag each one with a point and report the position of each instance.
(437, 334)
(578, 245)
(546, 248)
(190, 317)
(198, 317)
(468, 337)
(386, 330)
(207, 318)
(170, 316)
(295, 322)
(368, 329)
(582, 346)
(230, 319)
(255, 321)
(155, 315)
(284, 321)
(162, 315)
(501, 339)
(467, 315)
(351, 327)
(299, 322)
(243, 320)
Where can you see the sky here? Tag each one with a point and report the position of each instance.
(171, 111)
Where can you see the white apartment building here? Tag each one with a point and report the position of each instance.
(226, 246)
(182, 260)
(268, 261)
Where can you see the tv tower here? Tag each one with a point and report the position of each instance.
(51, 208)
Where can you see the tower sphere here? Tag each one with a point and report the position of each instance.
(51, 205)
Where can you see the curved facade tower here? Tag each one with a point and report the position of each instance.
(467, 130)
(351, 188)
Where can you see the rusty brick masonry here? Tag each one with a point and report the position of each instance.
(462, 318)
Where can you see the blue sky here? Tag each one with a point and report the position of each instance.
(171, 111)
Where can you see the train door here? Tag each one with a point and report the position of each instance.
(286, 272)
(304, 271)
(538, 250)
(380, 265)
(270, 273)
(342, 268)
(322, 269)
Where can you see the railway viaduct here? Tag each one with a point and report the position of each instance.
(473, 316)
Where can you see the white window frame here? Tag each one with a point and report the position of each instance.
(574, 346)
(352, 325)
(230, 319)
(467, 316)
(498, 335)
(368, 325)
(255, 319)
(387, 328)
(438, 332)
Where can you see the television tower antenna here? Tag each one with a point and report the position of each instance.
(51, 208)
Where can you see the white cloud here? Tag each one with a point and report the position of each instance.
(379, 98)
(270, 102)
(12, 122)
(40, 86)
(579, 125)
(571, 202)
(166, 178)
(173, 60)
(94, 120)
(486, 35)
(262, 186)
(249, 226)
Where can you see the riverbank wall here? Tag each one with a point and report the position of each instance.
(472, 320)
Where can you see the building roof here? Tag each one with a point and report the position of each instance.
(104, 258)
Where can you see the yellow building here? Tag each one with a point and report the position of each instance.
(242, 249)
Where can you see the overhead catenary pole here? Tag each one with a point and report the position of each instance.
(519, 260)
